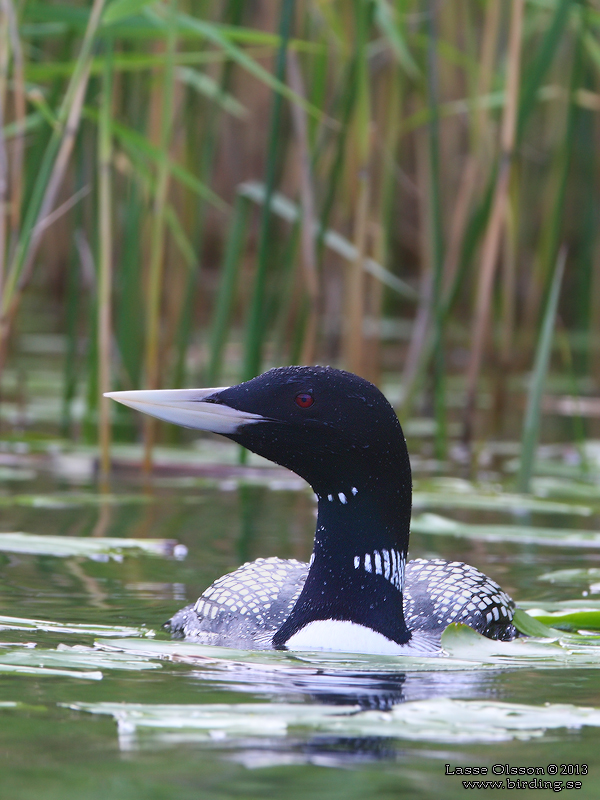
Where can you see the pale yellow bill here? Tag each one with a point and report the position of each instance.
(186, 407)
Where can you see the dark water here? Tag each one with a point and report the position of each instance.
(49, 751)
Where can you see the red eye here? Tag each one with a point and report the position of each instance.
(304, 400)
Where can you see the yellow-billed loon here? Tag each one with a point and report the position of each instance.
(357, 594)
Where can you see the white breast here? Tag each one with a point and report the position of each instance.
(344, 637)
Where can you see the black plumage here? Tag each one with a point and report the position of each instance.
(338, 432)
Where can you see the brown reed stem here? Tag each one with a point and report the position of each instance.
(481, 153)
(105, 268)
(157, 243)
(419, 336)
(373, 304)
(4, 59)
(307, 203)
(491, 243)
(353, 350)
(18, 142)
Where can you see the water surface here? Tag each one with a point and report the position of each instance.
(319, 728)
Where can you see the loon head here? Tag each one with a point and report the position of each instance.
(334, 429)
(338, 432)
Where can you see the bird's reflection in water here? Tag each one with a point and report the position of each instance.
(320, 751)
(367, 690)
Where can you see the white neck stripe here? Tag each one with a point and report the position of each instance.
(388, 563)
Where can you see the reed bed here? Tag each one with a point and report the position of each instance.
(196, 190)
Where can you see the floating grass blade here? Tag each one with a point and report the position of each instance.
(94, 547)
(49, 672)
(531, 424)
(433, 720)
(76, 657)
(573, 619)
(8, 623)
(572, 577)
(281, 661)
(445, 495)
(435, 525)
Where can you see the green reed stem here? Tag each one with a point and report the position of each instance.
(555, 226)
(536, 70)
(155, 275)
(577, 421)
(105, 261)
(333, 180)
(255, 329)
(233, 16)
(354, 276)
(129, 317)
(47, 182)
(228, 287)
(286, 305)
(531, 424)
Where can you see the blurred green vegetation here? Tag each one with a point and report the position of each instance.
(192, 191)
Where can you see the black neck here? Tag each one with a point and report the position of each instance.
(357, 568)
